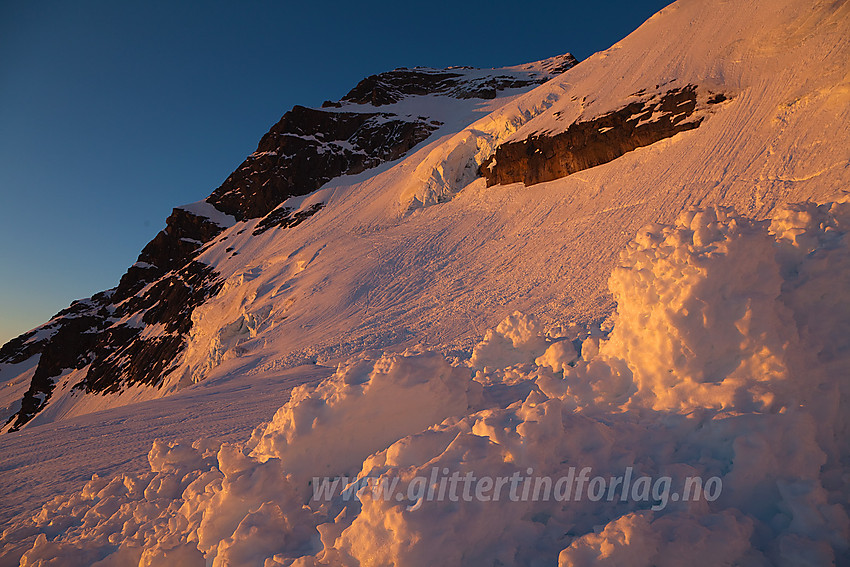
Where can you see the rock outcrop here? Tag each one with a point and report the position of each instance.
(592, 142)
(393, 86)
(309, 147)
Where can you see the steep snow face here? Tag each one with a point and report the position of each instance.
(784, 64)
(695, 384)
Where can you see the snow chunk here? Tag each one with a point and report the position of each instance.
(518, 339)
(364, 407)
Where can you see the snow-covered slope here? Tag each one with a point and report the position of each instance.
(726, 358)
(127, 344)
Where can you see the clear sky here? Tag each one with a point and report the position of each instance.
(113, 112)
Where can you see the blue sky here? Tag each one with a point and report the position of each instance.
(112, 113)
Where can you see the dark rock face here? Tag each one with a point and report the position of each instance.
(391, 87)
(594, 142)
(74, 331)
(284, 217)
(170, 249)
(308, 148)
(120, 351)
(387, 88)
(89, 335)
(21, 348)
(184, 233)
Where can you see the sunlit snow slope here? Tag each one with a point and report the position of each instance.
(377, 268)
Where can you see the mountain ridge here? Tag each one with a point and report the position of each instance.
(300, 153)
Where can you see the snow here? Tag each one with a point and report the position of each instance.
(518, 339)
(363, 408)
(497, 344)
(695, 380)
(206, 210)
(57, 458)
(12, 389)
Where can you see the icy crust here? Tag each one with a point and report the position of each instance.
(728, 358)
